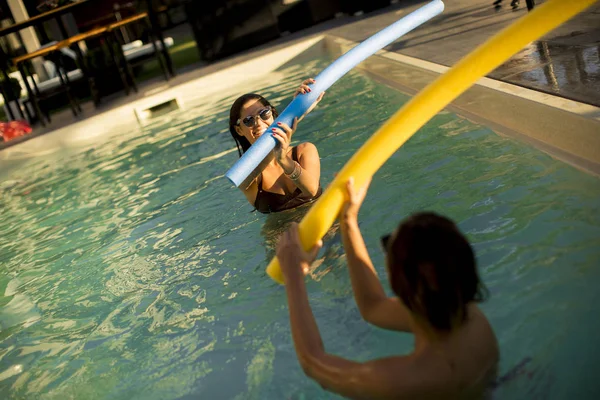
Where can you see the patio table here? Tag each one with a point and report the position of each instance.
(56, 14)
(34, 21)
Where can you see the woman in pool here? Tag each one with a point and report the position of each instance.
(432, 271)
(292, 177)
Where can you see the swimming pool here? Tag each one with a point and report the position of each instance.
(132, 269)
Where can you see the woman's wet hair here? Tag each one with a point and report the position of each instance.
(433, 270)
(234, 114)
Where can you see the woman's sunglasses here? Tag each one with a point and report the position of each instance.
(385, 240)
(250, 120)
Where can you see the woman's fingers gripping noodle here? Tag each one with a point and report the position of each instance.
(354, 197)
(311, 255)
(304, 88)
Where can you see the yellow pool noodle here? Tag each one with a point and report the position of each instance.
(421, 108)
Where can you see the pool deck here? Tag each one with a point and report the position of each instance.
(565, 63)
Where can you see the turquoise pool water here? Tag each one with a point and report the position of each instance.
(131, 269)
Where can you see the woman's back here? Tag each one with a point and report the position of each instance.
(465, 361)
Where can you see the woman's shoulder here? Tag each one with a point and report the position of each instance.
(476, 351)
(465, 362)
(481, 329)
(306, 147)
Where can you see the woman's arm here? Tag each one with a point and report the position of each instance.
(310, 176)
(374, 305)
(303, 89)
(379, 379)
(307, 172)
(385, 378)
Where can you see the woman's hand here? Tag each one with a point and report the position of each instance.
(283, 133)
(303, 89)
(355, 199)
(294, 261)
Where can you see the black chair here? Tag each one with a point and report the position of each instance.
(165, 11)
(157, 32)
(34, 94)
(219, 28)
(136, 56)
(8, 92)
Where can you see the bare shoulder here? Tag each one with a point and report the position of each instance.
(480, 328)
(306, 148)
(475, 352)
(464, 365)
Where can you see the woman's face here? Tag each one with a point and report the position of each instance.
(253, 108)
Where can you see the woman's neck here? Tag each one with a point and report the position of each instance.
(426, 336)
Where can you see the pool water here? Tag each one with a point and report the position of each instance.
(132, 269)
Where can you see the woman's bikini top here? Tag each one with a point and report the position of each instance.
(269, 202)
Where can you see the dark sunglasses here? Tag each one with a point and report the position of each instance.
(250, 120)
(385, 240)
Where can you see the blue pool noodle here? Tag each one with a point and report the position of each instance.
(255, 155)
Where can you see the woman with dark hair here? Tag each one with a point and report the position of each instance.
(292, 177)
(432, 272)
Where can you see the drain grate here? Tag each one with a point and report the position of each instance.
(143, 114)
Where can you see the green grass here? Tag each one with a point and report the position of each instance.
(182, 54)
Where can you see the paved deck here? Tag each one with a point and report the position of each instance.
(565, 63)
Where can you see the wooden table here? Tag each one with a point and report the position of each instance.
(48, 15)
(56, 14)
(33, 21)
